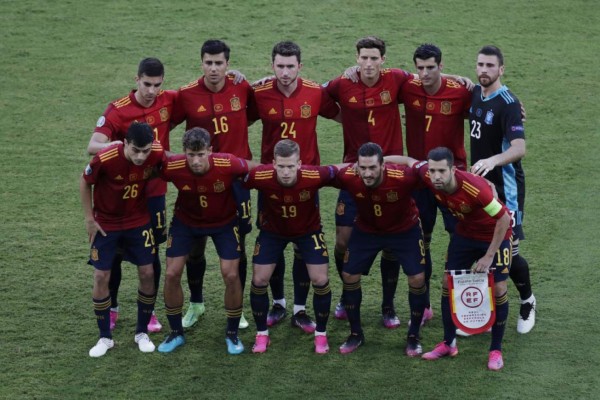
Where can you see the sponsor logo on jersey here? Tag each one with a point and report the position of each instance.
(186, 187)
(360, 195)
(429, 105)
(133, 177)
(219, 186)
(304, 195)
(352, 100)
(386, 98)
(305, 111)
(417, 103)
(150, 120)
(118, 178)
(235, 104)
(370, 102)
(288, 199)
(100, 122)
(201, 109)
(272, 111)
(218, 107)
(202, 189)
(489, 117)
(446, 107)
(274, 197)
(164, 114)
(288, 113)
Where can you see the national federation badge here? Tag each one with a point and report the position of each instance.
(489, 117)
(235, 104)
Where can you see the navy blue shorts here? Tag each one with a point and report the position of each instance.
(464, 252)
(182, 238)
(244, 210)
(516, 218)
(428, 206)
(269, 246)
(345, 211)
(407, 247)
(137, 245)
(158, 218)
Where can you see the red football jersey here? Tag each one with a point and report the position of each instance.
(436, 120)
(119, 187)
(388, 208)
(290, 211)
(370, 114)
(468, 204)
(223, 114)
(123, 112)
(293, 117)
(205, 201)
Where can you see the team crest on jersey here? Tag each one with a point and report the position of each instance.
(288, 199)
(446, 107)
(305, 111)
(386, 98)
(304, 195)
(235, 104)
(218, 107)
(375, 197)
(464, 208)
(392, 197)
(256, 249)
(340, 209)
(288, 113)
(219, 186)
(164, 114)
(100, 122)
(489, 117)
(370, 102)
(430, 106)
(150, 120)
(132, 177)
(94, 254)
(202, 189)
(147, 172)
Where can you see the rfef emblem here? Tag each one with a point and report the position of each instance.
(305, 111)
(385, 97)
(235, 104)
(219, 186)
(446, 107)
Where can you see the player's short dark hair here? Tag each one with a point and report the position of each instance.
(286, 148)
(490, 50)
(196, 139)
(151, 67)
(371, 149)
(441, 153)
(371, 42)
(286, 49)
(140, 134)
(427, 51)
(214, 46)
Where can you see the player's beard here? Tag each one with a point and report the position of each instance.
(486, 81)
